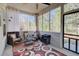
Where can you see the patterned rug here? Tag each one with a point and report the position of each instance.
(36, 49)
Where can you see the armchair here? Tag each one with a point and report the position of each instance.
(28, 39)
(13, 38)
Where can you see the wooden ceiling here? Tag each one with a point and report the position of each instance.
(29, 7)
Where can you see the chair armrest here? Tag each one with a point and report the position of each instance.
(16, 39)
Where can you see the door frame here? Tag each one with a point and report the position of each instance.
(76, 43)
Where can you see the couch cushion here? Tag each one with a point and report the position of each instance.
(13, 36)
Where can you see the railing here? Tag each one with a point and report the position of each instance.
(70, 38)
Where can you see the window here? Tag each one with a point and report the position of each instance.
(46, 22)
(71, 24)
(32, 23)
(50, 23)
(40, 22)
(24, 22)
(71, 27)
(0, 20)
(66, 43)
(27, 22)
(72, 45)
(55, 20)
(78, 47)
(70, 6)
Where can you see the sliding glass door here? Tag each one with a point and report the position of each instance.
(71, 31)
(71, 27)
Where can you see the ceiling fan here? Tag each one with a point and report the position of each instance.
(46, 3)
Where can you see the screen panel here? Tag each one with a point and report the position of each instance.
(71, 6)
(66, 43)
(71, 23)
(40, 22)
(55, 20)
(46, 22)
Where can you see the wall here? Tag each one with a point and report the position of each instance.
(2, 38)
(56, 38)
(13, 20)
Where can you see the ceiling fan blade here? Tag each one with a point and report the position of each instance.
(47, 3)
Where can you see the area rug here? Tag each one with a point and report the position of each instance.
(36, 49)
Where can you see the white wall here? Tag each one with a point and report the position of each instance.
(13, 24)
(56, 39)
(2, 38)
